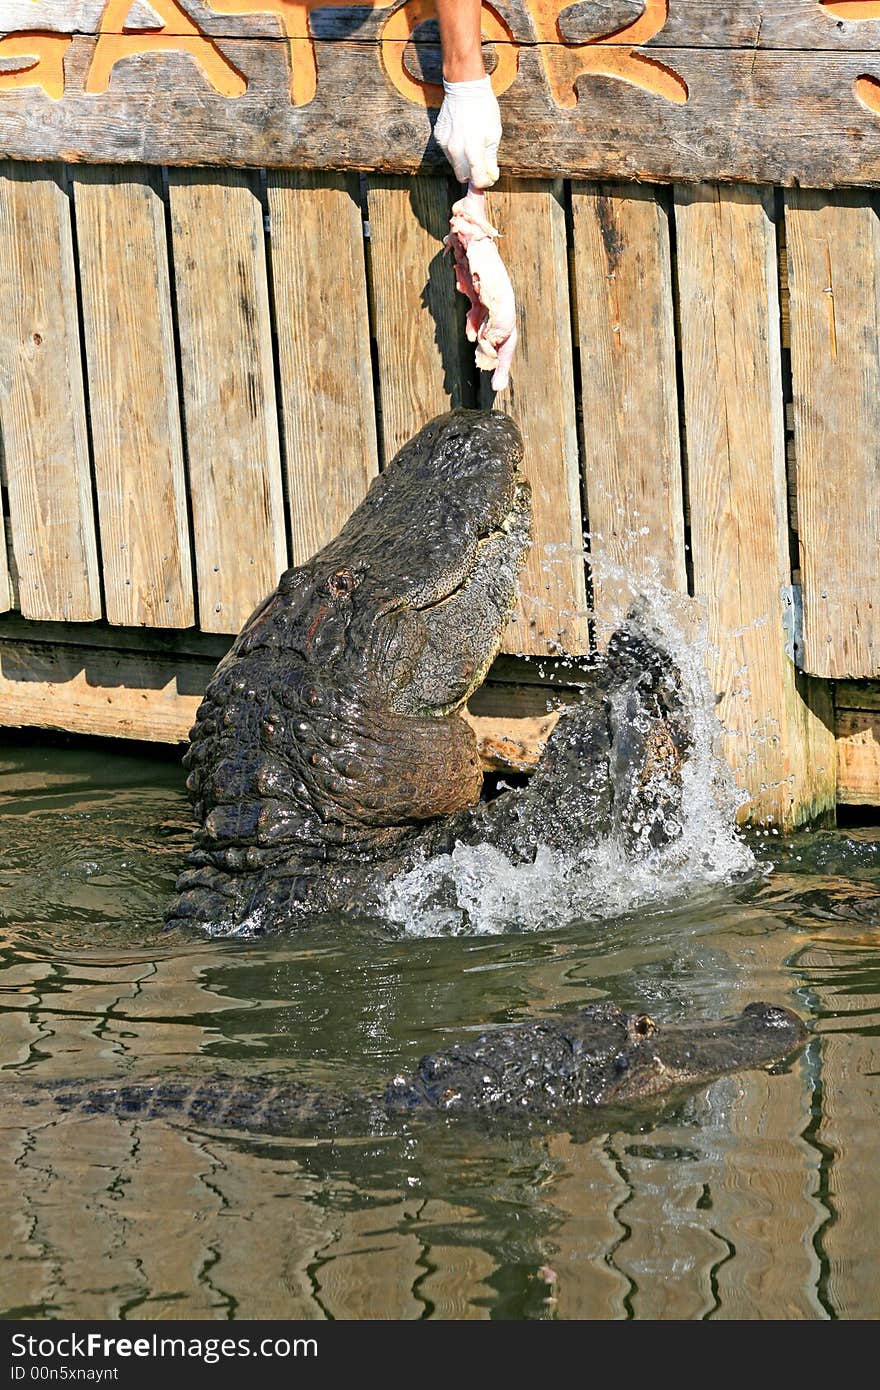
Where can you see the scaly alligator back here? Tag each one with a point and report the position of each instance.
(550, 1067)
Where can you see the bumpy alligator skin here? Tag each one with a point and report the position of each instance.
(328, 757)
(558, 1066)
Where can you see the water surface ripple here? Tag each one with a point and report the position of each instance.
(757, 1196)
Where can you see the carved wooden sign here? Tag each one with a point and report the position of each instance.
(781, 91)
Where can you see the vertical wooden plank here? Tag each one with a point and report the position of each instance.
(42, 405)
(320, 292)
(552, 613)
(858, 756)
(626, 332)
(781, 752)
(834, 255)
(6, 595)
(229, 391)
(425, 361)
(135, 414)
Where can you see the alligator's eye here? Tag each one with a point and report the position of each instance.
(644, 1026)
(342, 582)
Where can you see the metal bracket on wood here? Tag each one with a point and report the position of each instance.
(792, 596)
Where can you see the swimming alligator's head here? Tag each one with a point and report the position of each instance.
(323, 732)
(598, 1056)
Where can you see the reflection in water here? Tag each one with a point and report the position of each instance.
(756, 1196)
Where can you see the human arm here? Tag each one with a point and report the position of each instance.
(459, 22)
(468, 128)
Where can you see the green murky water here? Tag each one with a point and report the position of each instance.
(759, 1196)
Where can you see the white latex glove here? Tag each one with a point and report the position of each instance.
(481, 274)
(468, 130)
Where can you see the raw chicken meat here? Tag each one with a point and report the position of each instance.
(481, 274)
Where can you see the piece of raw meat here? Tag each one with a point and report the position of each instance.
(481, 274)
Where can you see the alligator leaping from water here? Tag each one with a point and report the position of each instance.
(569, 1066)
(328, 756)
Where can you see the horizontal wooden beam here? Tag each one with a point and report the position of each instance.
(768, 91)
(857, 695)
(87, 686)
(112, 694)
(565, 674)
(511, 744)
(115, 683)
(858, 757)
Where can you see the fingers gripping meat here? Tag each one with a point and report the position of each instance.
(481, 274)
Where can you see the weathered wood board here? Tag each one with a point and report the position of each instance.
(6, 595)
(245, 285)
(113, 694)
(858, 756)
(89, 686)
(135, 414)
(324, 367)
(834, 286)
(736, 474)
(626, 333)
(42, 402)
(762, 91)
(228, 376)
(751, 24)
(551, 616)
(511, 744)
(419, 317)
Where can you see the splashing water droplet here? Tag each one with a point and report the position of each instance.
(478, 890)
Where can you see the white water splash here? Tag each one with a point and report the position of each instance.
(477, 890)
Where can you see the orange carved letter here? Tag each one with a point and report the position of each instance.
(852, 9)
(45, 66)
(179, 34)
(866, 88)
(612, 55)
(402, 24)
(294, 19)
(293, 16)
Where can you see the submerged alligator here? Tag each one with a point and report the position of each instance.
(571, 1064)
(328, 756)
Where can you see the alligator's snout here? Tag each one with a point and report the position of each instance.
(690, 1053)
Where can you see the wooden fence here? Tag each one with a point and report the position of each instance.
(202, 368)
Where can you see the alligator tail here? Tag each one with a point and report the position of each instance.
(258, 1105)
